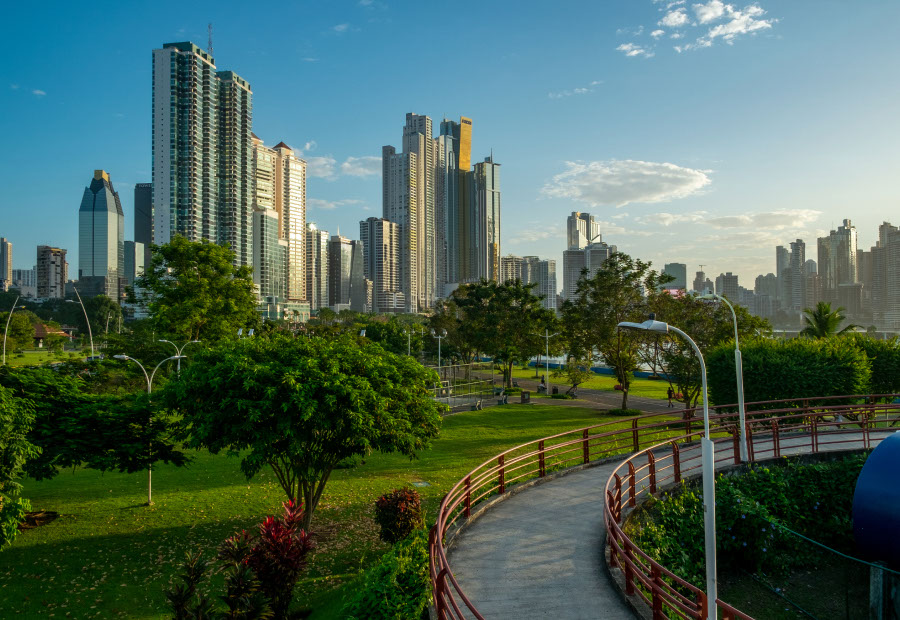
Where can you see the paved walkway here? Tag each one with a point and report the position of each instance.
(540, 553)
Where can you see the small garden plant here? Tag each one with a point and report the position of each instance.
(398, 514)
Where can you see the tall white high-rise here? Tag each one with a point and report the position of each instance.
(837, 260)
(581, 229)
(101, 240)
(399, 205)
(575, 262)
(316, 267)
(6, 268)
(381, 253)
(202, 150)
(484, 231)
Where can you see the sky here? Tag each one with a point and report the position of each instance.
(696, 132)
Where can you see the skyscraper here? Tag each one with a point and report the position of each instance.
(101, 240)
(316, 267)
(837, 260)
(485, 225)
(52, 272)
(381, 252)
(134, 261)
(727, 285)
(885, 276)
(202, 151)
(677, 271)
(581, 229)
(782, 262)
(143, 217)
(346, 283)
(575, 262)
(6, 264)
(270, 263)
(25, 280)
(797, 280)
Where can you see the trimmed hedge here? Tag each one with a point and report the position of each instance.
(399, 586)
(790, 369)
(884, 356)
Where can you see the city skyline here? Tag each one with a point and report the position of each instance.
(718, 176)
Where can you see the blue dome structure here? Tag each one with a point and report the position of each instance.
(876, 504)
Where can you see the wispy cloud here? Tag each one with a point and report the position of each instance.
(340, 28)
(582, 90)
(633, 50)
(321, 167)
(309, 59)
(674, 19)
(330, 205)
(14, 86)
(768, 220)
(667, 219)
(620, 182)
(365, 166)
(536, 231)
(657, 33)
(38, 92)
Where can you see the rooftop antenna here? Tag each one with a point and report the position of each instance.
(701, 268)
(209, 46)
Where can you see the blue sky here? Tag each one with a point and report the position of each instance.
(770, 121)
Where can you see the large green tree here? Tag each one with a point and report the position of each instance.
(301, 405)
(21, 330)
(823, 322)
(196, 293)
(505, 321)
(16, 419)
(615, 293)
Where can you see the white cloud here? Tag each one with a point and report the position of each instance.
(38, 92)
(368, 165)
(709, 12)
(620, 182)
(331, 205)
(657, 33)
(582, 90)
(632, 31)
(310, 146)
(676, 35)
(341, 27)
(321, 167)
(14, 86)
(309, 59)
(674, 19)
(740, 22)
(667, 219)
(537, 231)
(767, 220)
(632, 50)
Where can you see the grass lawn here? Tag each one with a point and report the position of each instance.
(649, 388)
(110, 556)
(33, 358)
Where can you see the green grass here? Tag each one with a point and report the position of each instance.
(110, 556)
(33, 358)
(648, 388)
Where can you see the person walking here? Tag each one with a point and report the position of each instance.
(671, 394)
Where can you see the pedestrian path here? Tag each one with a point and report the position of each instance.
(540, 552)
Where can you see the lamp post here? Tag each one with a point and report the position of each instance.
(408, 341)
(86, 320)
(178, 350)
(149, 379)
(547, 336)
(439, 337)
(6, 332)
(707, 455)
(739, 375)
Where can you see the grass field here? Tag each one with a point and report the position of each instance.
(648, 388)
(33, 358)
(110, 556)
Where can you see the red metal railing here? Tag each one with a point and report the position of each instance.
(658, 456)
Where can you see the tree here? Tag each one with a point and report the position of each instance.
(823, 322)
(709, 324)
(615, 293)
(21, 330)
(503, 320)
(575, 372)
(301, 405)
(16, 419)
(73, 427)
(448, 316)
(393, 335)
(196, 293)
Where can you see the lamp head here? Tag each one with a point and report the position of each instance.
(650, 325)
(120, 357)
(708, 297)
(362, 333)
(432, 333)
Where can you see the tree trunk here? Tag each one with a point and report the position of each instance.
(624, 396)
(508, 373)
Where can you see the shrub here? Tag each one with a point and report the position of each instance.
(398, 513)
(563, 396)
(399, 586)
(630, 413)
(260, 571)
(884, 356)
(16, 421)
(792, 369)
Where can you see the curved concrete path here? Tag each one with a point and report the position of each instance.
(540, 552)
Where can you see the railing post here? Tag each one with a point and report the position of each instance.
(440, 585)
(618, 514)
(542, 467)
(632, 500)
(701, 602)
(585, 447)
(776, 439)
(651, 460)
(468, 496)
(501, 480)
(867, 421)
(814, 427)
(676, 461)
(750, 444)
(655, 596)
(634, 435)
(629, 572)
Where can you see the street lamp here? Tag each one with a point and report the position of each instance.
(8, 318)
(408, 341)
(547, 336)
(739, 374)
(707, 455)
(86, 320)
(149, 379)
(179, 350)
(439, 337)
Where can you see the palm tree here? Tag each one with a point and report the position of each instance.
(823, 322)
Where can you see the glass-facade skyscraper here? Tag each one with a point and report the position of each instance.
(101, 240)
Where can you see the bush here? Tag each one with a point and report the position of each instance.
(791, 369)
(563, 396)
(399, 586)
(630, 413)
(398, 513)
(512, 390)
(16, 421)
(260, 571)
(884, 356)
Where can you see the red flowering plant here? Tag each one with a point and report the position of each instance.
(398, 513)
(261, 570)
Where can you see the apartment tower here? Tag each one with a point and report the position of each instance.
(101, 240)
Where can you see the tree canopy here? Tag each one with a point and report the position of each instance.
(301, 405)
(16, 419)
(823, 322)
(196, 293)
